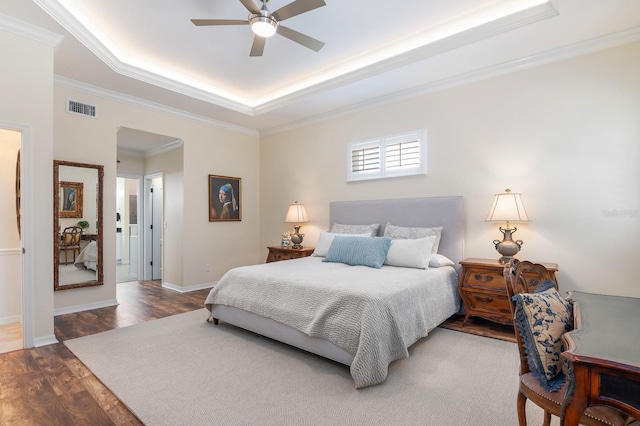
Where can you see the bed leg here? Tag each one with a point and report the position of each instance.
(212, 319)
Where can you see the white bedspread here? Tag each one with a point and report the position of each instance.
(88, 257)
(373, 314)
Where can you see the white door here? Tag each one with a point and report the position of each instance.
(156, 228)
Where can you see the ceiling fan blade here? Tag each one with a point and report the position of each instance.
(258, 46)
(204, 22)
(296, 8)
(251, 6)
(300, 38)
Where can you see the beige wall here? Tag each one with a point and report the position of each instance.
(26, 84)
(191, 241)
(565, 135)
(131, 165)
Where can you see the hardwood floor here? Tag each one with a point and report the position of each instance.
(50, 386)
(481, 327)
(10, 337)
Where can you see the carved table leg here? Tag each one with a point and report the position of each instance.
(574, 401)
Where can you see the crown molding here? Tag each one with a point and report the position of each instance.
(164, 148)
(24, 29)
(455, 41)
(151, 152)
(86, 37)
(141, 103)
(472, 35)
(566, 52)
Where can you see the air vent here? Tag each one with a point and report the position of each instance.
(81, 108)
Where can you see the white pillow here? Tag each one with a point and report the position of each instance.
(438, 260)
(403, 232)
(410, 253)
(325, 240)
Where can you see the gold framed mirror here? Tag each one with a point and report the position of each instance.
(77, 225)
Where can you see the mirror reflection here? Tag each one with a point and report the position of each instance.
(77, 225)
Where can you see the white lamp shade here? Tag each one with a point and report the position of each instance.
(296, 214)
(507, 207)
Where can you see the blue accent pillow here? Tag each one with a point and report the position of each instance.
(364, 251)
(542, 317)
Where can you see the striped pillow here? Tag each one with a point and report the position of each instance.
(364, 251)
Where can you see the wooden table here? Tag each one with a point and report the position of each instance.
(90, 237)
(602, 359)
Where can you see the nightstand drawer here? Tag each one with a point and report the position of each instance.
(481, 278)
(289, 255)
(489, 303)
(277, 253)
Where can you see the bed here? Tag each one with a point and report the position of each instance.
(88, 257)
(360, 316)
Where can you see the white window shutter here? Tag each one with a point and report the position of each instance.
(392, 156)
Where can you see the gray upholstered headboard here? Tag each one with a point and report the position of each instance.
(447, 212)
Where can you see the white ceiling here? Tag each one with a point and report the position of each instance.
(375, 51)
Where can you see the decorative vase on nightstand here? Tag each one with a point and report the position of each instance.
(286, 239)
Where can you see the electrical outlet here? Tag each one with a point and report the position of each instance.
(207, 267)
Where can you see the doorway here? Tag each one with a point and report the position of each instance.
(11, 279)
(128, 241)
(153, 231)
(150, 157)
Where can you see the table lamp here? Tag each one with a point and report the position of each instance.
(507, 207)
(296, 214)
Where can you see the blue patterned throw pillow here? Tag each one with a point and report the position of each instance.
(365, 251)
(542, 318)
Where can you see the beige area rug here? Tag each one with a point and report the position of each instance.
(69, 274)
(182, 370)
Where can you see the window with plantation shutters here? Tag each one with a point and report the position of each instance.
(391, 156)
(365, 159)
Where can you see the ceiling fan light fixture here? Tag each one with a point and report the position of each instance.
(263, 26)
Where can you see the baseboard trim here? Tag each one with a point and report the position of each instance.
(11, 319)
(181, 289)
(87, 307)
(45, 340)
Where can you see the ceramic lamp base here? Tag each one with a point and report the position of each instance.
(507, 247)
(297, 238)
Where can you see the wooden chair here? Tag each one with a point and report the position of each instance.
(524, 277)
(70, 241)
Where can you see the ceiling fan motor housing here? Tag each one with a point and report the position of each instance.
(263, 24)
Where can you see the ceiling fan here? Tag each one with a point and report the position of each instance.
(264, 24)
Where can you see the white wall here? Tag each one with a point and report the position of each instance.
(208, 149)
(565, 135)
(10, 255)
(26, 84)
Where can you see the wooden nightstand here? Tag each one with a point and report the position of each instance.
(482, 288)
(277, 253)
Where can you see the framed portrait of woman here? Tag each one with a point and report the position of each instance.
(224, 198)
(71, 199)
